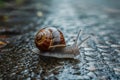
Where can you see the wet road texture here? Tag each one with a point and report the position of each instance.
(99, 57)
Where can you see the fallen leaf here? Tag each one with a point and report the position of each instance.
(2, 44)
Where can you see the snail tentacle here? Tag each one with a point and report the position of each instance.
(77, 37)
(83, 41)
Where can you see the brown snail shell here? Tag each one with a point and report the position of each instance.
(47, 37)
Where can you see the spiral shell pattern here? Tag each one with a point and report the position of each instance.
(47, 37)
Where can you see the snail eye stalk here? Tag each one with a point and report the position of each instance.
(83, 41)
(77, 37)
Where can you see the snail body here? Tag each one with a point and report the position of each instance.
(50, 42)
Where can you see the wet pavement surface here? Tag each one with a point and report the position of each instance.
(99, 57)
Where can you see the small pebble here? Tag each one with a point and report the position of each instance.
(90, 53)
(80, 77)
(91, 68)
(91, 74)
(55, 72)
(76, 73)
(39, 14)
(76, 67)
(86, 77)
(12, 74)
(28, 79)
(115, 46)
(105, 54)
(91, 63)
(102, 46)
(117, 73)
(35, 50)
(89, 49)
(106, 58)
(103, 78)
(32, 74)
(89, 58)
(117, 69)
(103, 50)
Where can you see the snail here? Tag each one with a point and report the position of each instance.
(50, 42)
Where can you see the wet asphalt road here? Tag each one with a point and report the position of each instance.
(99, 57)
